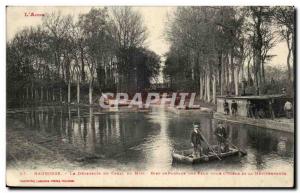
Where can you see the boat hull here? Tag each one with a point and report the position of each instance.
(186, 156)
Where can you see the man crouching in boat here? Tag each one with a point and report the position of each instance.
(222, 135)
(196, 139)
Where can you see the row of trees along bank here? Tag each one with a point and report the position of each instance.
(222, 50)
(65, 58)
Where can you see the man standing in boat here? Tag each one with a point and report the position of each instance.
(196, 139)
(222, 135)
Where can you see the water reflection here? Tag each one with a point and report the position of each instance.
(146, 140)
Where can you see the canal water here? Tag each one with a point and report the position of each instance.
(145, 140)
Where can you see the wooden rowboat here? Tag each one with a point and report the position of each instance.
(186, 156)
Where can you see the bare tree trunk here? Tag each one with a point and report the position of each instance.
(221, 73)
(225, 70)
(47, 94)
(204, 85)
(60, 94)
(200, 87)
(248, 71)
(263, 72)
(208, 85)
(289, 71)
(36, 94)
(230, 79)
(258, 74)
(258, 80)
(78, 92)
(243, 71)
(90, 93)
(232, 73)
(27, 93)
(227, 74)
(53, 94)
(236, 81)
(42, 93)
(82, 65)
(289, 67)
(214, 88)
(32, 94)
(69, 92)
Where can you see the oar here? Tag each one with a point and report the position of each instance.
(210, 147)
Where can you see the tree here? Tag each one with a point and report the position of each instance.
(58, 29)
(95, 26)
(147, 65)
(207, 37)
(260, 25)
(129, 32)
(284, 18)
(213, 44)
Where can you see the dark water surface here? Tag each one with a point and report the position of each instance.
(145, 140)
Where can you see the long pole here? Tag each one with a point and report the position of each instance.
(232, 143)
(210, 147)
(229, 142)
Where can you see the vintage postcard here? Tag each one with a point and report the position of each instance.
(124, 96)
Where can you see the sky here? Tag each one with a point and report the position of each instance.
(155, 19)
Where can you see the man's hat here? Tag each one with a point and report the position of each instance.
(196, 124)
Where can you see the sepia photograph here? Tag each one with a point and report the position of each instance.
(150, 96)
